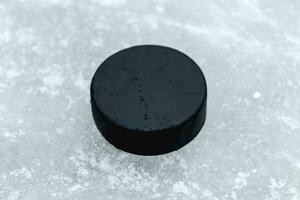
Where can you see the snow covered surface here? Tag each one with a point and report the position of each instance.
(249, 51)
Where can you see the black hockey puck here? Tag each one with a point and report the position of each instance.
(149, 99)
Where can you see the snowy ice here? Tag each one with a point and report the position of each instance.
(249, 51)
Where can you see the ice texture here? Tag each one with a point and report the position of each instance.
(249, 148)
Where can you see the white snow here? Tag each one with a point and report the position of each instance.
(256, 95)
(53, 80)
(180, 187)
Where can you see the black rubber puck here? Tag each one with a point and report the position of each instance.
(149, 99)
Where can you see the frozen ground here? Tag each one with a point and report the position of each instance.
(249, 51)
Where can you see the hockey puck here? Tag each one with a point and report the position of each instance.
(149, 99)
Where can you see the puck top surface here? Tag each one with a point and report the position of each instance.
(148, 88)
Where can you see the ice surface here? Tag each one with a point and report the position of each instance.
(249, 51)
